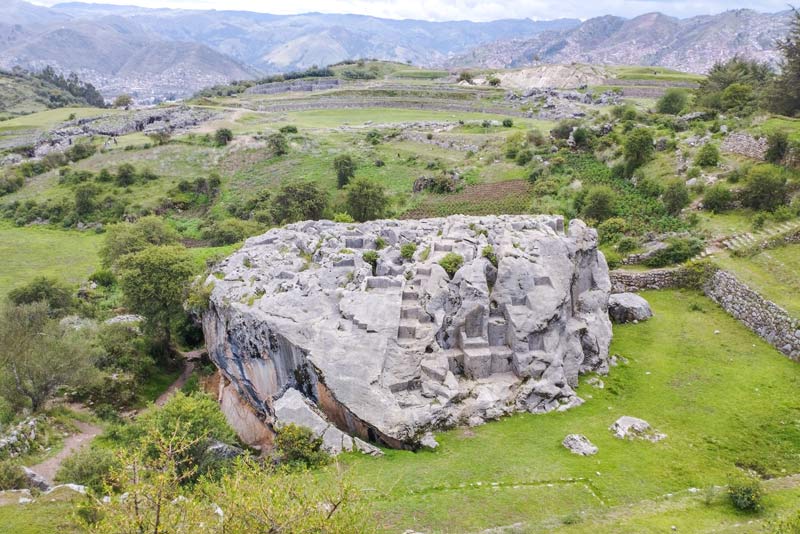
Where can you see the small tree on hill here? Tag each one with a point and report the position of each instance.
(366, 199)
(223, 136)
(155, 281)
(599, 204)
(278, 144)
(673, 102)
(123, 101)
(675, 197)
(127, 238)
(345, 169)
(765, 189)
(298, 201)
(638, 150)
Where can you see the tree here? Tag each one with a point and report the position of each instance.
(717, 198)
(465, 76)
(127, 238)
(639, 149)
(599, 203)
(675, 197)
(784, 92)
(85, 195)
(298, 201)
(126, 175)
(366, 199)
(765, 189)
(738, 97)
(345, 169)
(777, 147)
(54, 293)
(154, 282)
(37, 355)
(123, 101)
(673, 102)
(707, 156)
(161, 137)
(724, 74)
(223, 136)
(278, 144)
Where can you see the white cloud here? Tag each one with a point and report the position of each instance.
(464, 9)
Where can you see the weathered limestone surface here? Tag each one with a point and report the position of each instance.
(305, 329)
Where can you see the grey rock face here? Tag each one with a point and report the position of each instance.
(579, 444)
(309, 332)
(627, 427)
(35, 481)
(628, 307)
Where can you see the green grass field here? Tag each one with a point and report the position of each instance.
(29, 252)
(723, 400)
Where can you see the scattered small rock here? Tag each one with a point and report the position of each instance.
(627, 427)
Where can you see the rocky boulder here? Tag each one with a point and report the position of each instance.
(627, 427)
(330, 326)
(628, 307)
(579, 444)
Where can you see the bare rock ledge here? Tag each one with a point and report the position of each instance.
(305, 331)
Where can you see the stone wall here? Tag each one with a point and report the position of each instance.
(746, 145)
(633, 281)
(771, 322)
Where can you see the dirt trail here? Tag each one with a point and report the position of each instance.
(48, 468)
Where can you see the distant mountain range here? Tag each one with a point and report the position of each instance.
(691, 45)
(157, 53)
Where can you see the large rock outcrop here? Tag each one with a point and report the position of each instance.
(390, 349)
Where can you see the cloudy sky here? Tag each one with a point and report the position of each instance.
(478, 10)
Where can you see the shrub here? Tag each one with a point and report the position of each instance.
(718, 198)
(599, 203)
(673, 102)
(678, 250)
(627, 245)
(89, 466)
(51, 291)
(103, 278)
(777, 146)
(278, 144)
(650, 187)
(451, 263)
(508, 123)
(765, 189)
(494, 81)
(126, 175)
(693, 172)
(288, 129)
(465, 76)
(127, 238)
(230, 231)
(343, 218)
(638, 149)
(675, 197)
(582, 137)
(535, 137)
(374, 137)
(564, 129)
(366, 199)
(407, 250)
(296, 446)
(223, 136)
(371, 257)
(345, 169)
(524, 157)
(611, 229)
(707, 156)
(745, 493)
(12, 476)
(298, 201)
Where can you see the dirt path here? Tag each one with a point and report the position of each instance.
(48, 468)
(188, 368)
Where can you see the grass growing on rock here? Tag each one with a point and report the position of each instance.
(726, 401)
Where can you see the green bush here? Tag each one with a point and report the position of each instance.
(223, 136)
(407, 250)
(673, 102)
(103, 278)
(451, 263)
(626, 245)
(777, 146)
(343, 217)
(508, 123)
(89, 466)
(611, 229)
(707, 156)
(599, 204)
(765, 189)
(230, 231)
(296, 446)
(345, 169)
(298, 201)
(366, 199)
(278, 144)
(371, 257)
(717, 199)
(678, 250)
(745, 493)
(650, 187)
(54, 293)
(675, 197)
(12, 476)
(524, 157)
(639, 148)
(288, 129)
